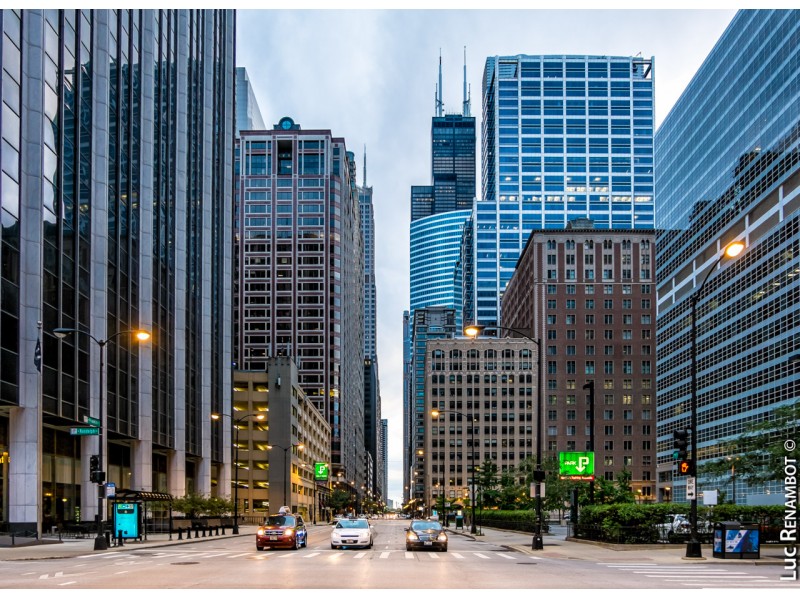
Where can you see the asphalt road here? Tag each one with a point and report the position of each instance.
(469, 564)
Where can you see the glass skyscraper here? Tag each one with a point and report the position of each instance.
(117, 174)
(435, 252)
(248, 115)
(563, 137)
(728, 168)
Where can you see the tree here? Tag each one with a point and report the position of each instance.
(338, 500)
(487, 483)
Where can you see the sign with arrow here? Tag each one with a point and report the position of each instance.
(577, 466)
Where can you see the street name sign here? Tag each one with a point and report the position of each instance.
(84, 431)
(91, 421)
(576, 466)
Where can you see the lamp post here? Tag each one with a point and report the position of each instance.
(732, 250)
(435, 413)
(538, 474)
(589, 385)
(141, 335)
(287, 478)
(259, 417)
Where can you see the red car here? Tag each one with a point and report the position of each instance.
(282, 531)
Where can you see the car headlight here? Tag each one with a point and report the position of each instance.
(260, 531)
(412, 536)
(442, 537)
(288, 531)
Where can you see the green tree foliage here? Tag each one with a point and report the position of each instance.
(195, 505)
(758, 455)
(338, 500)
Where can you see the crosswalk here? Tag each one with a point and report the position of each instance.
(689, 575)
(327, 555)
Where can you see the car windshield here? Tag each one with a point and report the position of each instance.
(352, 524)
(425, 525)
(280, 521)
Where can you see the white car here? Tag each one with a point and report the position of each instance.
(351, 533)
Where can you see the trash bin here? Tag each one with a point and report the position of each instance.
(459, 521)
(735, 540)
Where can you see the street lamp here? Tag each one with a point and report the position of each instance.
(732, 250)
(435, 413)
(538, 474)
(259, 417)
(141, 335)
(286, 460)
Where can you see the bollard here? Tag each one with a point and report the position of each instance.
(119, 538)
(196, 532)
(108, 539)
(180, 533)
(204, 532)
(216, 531)
(223, 529)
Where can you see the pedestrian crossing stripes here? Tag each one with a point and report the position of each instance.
(707, 575)
(326, 555)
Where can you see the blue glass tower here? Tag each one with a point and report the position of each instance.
(728, 169)
(563, 137)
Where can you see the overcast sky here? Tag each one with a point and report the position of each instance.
(370, 77)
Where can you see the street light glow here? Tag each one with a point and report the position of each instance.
(473, 330)
(734, 249)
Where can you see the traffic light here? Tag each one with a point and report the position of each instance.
(95, 474)
(685, 467)
(680, 442)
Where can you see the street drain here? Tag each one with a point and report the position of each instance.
(186, 563)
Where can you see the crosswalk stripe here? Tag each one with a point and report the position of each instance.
(238, 555)
(312, 555)
(360, 555)
(385, 554)
(504, 555)
(478, 554)
(434, 556)
(456, 554)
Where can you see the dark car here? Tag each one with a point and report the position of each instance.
(426, 534)
(282, 531)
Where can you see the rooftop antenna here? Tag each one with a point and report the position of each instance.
(365, 166)
(439, 103)
(465, 110)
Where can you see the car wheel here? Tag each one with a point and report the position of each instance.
(259, 548)
(334, 547)
(408, 548)
(296, 544)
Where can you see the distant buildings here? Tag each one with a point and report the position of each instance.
(727, 169)
(589, 296)
(563, 137)
(248, 115)
(300, 275)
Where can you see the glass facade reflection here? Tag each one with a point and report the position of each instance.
(116, 215)
(727, 169)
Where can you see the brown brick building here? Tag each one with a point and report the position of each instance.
(589, 295)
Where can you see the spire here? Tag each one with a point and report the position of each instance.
(466, 108)
(365, 167)
(439, 103)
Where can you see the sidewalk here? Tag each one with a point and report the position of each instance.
(555, 547)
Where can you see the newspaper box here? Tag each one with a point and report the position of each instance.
(734, 540)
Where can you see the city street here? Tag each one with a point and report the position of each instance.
(493, 561)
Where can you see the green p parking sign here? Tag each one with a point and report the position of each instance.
(321, 471)
(576, 465)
